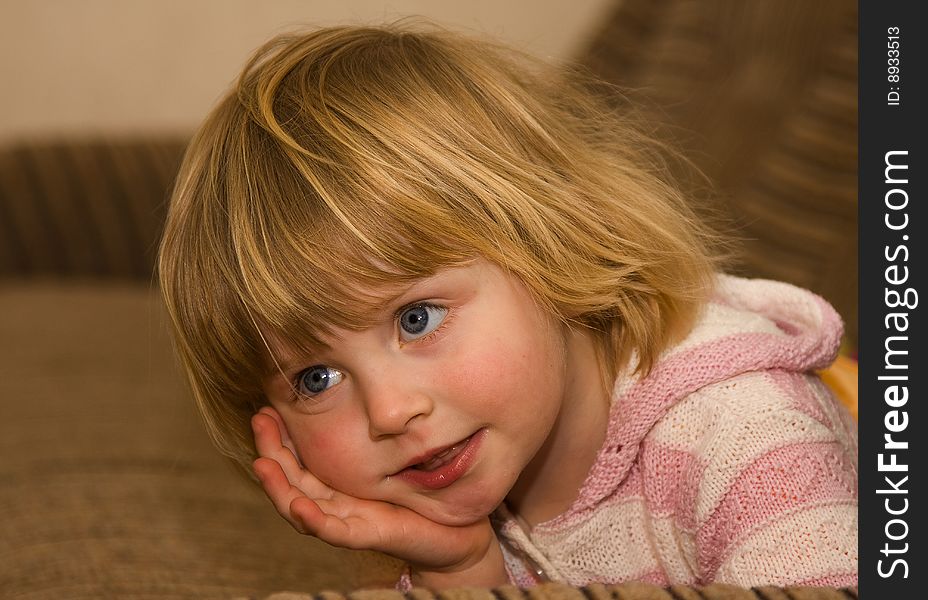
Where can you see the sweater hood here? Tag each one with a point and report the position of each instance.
(748, 325)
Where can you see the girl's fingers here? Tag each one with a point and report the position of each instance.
(285, 439)
(374, 525)
(269, 444)
(279, 489)
(328, 527)
(371, 525)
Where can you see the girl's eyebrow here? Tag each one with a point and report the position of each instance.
(280, 374)
(287, 357)
(280, 370)
(284, 369)
(277, 367)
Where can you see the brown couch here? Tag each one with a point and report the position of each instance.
(110, 487)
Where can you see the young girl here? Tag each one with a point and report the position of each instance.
(442, 303)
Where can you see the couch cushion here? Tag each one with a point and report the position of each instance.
(110, 484)
(84, 206)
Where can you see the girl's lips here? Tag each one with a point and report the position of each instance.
(445, 467)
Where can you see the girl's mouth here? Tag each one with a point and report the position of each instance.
(445, 467)
(443, 457)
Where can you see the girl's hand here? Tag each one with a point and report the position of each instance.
(439, 555)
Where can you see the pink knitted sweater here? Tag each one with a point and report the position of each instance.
(731, 462)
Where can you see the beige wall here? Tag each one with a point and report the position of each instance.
(78, 66)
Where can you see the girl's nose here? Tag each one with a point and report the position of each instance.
(392, 408)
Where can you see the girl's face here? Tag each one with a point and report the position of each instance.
(440, 404)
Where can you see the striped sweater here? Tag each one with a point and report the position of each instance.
(730, 462)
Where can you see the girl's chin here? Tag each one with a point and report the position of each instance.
(455, 514)
(458, 518)
(455, 506)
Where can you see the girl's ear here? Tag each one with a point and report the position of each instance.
(282, 428)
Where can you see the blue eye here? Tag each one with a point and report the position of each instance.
(420, 320)
(317, 379)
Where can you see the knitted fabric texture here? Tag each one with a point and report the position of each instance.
(730, 462)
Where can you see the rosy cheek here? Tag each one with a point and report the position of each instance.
(329, 453)
(485, 376)
(504, 377)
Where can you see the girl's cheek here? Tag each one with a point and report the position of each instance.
(317, 449)
(493, 370)
(327, 452)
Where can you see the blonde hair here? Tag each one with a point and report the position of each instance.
(354, 158)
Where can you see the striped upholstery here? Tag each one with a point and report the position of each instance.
(627, 591)
(762, 96)
(85, 208)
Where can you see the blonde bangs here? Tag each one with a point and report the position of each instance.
(328, 254)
